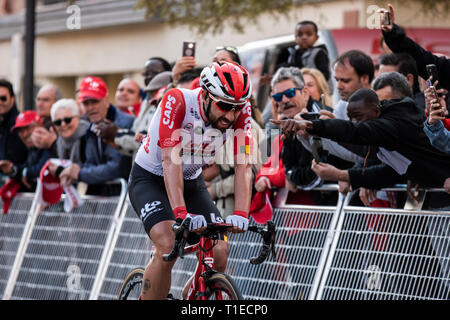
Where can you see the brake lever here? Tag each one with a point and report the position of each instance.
(181, 231)
(268, 235)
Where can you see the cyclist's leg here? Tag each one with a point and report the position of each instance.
(157, 277)
(149, 199)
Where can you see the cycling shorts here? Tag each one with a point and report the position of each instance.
(150, 201)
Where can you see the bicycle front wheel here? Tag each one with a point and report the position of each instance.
(222, 287)
(132, 285)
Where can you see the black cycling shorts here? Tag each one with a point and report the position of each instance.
(149, 198)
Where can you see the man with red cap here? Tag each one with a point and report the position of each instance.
(27, 173)
(103, 163)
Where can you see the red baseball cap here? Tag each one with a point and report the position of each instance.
(92, 88)
(26, 118)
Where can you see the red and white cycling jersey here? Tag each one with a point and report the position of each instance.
(180, 119)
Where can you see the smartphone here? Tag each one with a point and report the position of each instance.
(430, 85)
(310, 116)
(432, 72)
(386, 18)
(189, 48)
(322, 101)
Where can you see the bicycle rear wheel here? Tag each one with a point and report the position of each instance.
(222, 287)
(132, 285)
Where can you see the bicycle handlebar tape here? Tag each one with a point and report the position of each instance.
(180, 213)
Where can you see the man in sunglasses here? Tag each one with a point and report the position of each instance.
(11, 147)
(166, 182)
(290, 99)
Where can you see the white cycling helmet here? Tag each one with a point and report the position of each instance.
(227, 81)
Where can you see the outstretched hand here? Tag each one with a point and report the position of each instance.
(292, 126)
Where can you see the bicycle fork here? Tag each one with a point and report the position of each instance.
(205, 268)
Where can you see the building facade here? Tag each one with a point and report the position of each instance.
(111, 39)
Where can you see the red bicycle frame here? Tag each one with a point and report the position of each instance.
(205, 265)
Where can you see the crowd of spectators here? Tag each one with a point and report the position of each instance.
(384, 130)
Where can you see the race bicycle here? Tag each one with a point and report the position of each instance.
(207, 282)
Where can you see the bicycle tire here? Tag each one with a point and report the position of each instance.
(131, 284)
(221, 282)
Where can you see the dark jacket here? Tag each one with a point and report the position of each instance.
(104, 163)
(374, 174)
(11, 147)
(35, 161)
(399, 128)
(399, 42)
(315, 57)
(297, 159)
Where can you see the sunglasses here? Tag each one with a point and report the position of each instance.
(289, 93)
(227, 107)
(227, 48)
(3, 98)
(59, 122)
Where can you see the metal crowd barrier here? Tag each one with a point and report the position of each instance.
(12, 227)
(388, 254)
(134, 249)
(323, 252)
(63, 255)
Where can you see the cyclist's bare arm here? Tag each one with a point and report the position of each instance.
(242, 189)
(173, 110)
(243, 141)
(173, 176)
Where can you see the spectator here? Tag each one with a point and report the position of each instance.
(28, 173)
(45, 137)
(290, 97)
(306, 54)
(404, 64)
(103, 163)
(12, 148)
(397, 128)
(153, 66)
(188, 63)
(127, 141)
(370, 174)
(396, 39)
(71, 130)
(433, 127)
(45, 98)
(128, 98)
(352, 70)
(190, 79)
(317, 85)
(227, 53)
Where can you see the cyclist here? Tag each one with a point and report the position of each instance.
(166, 183)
